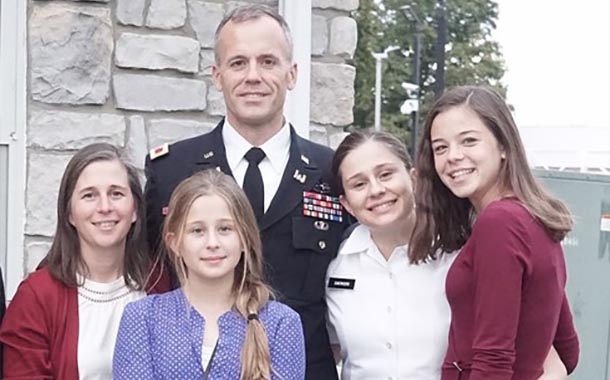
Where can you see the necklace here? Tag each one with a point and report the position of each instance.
(106, 299)
(103, 293)
(106, 292)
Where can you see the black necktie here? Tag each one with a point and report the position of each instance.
(253, 181)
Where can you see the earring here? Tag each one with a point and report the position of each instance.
(503, 156)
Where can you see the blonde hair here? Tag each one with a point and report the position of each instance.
(249, 289)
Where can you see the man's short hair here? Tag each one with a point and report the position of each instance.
(253, 12)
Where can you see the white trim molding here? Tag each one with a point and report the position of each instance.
(13, 95)
(298, 17)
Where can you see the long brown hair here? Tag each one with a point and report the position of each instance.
(444, 221)
(64, 260)
(250, 291)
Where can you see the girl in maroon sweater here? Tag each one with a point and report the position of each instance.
(506, 289)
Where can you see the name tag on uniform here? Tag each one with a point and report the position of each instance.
(341, 283)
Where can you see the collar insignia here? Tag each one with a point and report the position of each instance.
(159, 151)
(299, 176)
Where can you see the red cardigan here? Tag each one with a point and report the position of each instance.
(506, 290)
(40, 329)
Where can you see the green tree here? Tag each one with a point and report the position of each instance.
(472, 56)
(370, 31)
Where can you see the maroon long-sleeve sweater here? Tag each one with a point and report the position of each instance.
(506, 290)
(40, 328)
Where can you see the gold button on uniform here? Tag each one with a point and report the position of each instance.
(322, 244)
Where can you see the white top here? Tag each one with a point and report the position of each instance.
(277, 152)
(100, 307)
(394, 323)
(206, 355)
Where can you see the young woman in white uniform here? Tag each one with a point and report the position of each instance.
(388, 317)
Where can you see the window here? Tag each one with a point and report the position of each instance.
(12, 139)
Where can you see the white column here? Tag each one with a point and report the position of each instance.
(13, 68)
(378, 59)
(298, 17)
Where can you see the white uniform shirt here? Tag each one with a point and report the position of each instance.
(394, 323)
(277, 152)
(100, 308)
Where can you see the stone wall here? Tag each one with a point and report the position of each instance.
(136, 73)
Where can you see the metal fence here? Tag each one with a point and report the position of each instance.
(587, 250)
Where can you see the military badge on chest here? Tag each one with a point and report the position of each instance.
(322, 206)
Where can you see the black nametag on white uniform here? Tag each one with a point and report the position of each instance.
(341, 283)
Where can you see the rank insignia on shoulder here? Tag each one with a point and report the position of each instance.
(322, 206)
(159, 151)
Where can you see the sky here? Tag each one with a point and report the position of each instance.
(557, 54)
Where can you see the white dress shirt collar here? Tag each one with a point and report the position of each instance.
(276, 148)
(277, 154)
(357, 242)
(361, 241)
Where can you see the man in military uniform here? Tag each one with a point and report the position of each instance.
(286, 177)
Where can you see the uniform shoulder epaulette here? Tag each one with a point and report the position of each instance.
(159, 151)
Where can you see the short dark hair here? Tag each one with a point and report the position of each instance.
(253, 12)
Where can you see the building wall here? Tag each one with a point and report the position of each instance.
(136, 73)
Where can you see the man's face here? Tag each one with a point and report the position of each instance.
(254, 70)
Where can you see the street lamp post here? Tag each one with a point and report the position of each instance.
(410, 13)
(441, 41)
(379, 57)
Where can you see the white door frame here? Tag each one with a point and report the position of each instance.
(298, 17)
(13, 69)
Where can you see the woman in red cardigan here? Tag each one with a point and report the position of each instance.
(63, 320)
(506, 289)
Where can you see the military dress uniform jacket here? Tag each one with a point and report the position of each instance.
(296, 248)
